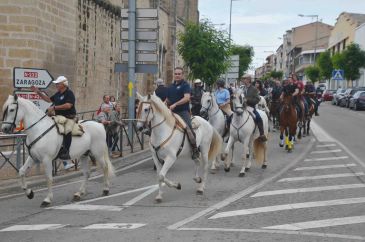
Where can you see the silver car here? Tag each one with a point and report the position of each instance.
(339, 93)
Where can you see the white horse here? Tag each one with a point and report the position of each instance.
(244, 130)
(215, 116)
(262, 105)
(44, 142)
(168, 140)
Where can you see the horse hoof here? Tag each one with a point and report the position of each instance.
(264, 166)
(178, 187)
(105, 192)
(290, 150)
(247, 169)
(197, 179)
(45, 204)
(198, 192)
(227, 169)
(158, 200)
(281, 145)
(31, 194)
(241, 174)
(76, 198)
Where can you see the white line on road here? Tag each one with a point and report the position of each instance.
(325, 151)
(33, 227)
(323, 167)
(290, 206)
(320, 223)
(241, 194)
(308, 189)
(268, 231)
(141, 196)
(87, 207)
(303, 178)
(321, 135)
(73, 182)
(328, 158)
(328, 145)
(115, 226)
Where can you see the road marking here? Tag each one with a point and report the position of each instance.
(328, 145)
(321, 135)
(288, 232)
(115, 226)
(303, 178)
(88, 207)
(73, 182)
(33, 227)
(323, 167)
(290, 206)
(328, 158)
(325, 151)
(241, 194)
(320, 223)
(141, 196)
(308, 189)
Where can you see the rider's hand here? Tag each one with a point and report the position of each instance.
(172, 107)
(34, 89)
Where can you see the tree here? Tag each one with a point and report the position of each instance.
(325, 65)
(338, 61)
(205, 51)
(276, 74)
(246, 53)
(354, 59)
(313, 73)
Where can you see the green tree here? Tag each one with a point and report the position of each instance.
(338, 61)
(325, 65)
(354, 59)
(313, 73)
(276, 74)
(205, 51)
(246, 54)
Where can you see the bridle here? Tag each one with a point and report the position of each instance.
(146, 123)
(206, 109)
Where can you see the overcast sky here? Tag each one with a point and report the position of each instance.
(260, 23)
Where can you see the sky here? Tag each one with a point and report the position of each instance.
(260, 23)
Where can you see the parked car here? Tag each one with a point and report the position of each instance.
(339, 93)
(328, 95)
(357, 101)
(342, 100)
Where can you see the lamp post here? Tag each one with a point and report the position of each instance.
(316, 32)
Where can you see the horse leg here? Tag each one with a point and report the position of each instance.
(169, 161)
(264, 165)
(281, 144)
(48, 173)
(247, 156)
(22, 171)
(205, 162)
(308, 125)
(85, 170)
(227, 162)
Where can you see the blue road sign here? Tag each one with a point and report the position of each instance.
(338, 75)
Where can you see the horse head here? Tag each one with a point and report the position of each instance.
(206, 103)
(144, 113)
(239, 103)
(11, 114)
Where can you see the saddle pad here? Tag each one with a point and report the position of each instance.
(195, 123)
(65, 126)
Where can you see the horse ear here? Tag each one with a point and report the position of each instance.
(139, 96)
(148, 96)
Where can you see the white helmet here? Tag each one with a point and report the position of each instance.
(197, 81)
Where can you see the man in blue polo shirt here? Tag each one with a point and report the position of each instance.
(178, 97)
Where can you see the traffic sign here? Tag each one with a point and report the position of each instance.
(338, 75)
(35, 98)
(27, 77)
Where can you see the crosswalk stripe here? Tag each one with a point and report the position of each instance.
(325, 151)
(33, 227)
(320, 223)
(323, 167)
(290, 206)
(115, 226)
(303, 178)
(87, 207)
(328, 145)
(308, 189)
(328, 158)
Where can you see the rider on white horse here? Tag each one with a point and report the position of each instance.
(63, 104)
(252, 98)
(223, 99)
(178, 98)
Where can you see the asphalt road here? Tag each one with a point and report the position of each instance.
(316, 193)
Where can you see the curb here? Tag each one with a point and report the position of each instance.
(118, 163)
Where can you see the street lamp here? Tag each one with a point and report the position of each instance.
(316, 34)
(230, 19)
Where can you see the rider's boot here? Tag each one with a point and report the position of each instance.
(262, 136)
(316, 110)
(195, 153)
(63, 154)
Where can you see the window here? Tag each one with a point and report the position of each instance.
(344, 44)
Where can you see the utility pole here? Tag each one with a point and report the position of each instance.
(131, 65)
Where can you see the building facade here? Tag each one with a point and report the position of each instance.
(360, 40)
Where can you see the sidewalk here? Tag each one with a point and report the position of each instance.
(36, 177)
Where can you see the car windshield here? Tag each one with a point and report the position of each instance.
(357, 94)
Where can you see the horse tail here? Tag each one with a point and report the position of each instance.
(215, 145)
(109, 168)
(259, 151)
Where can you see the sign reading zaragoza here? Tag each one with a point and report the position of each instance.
(27, 77)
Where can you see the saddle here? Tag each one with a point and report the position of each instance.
(65, 126)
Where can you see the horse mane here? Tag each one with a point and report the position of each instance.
(30, 105)
(161, 108)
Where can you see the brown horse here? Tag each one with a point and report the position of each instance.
(275, 113)
(288, 122)
(311, 110)
(301, 118)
